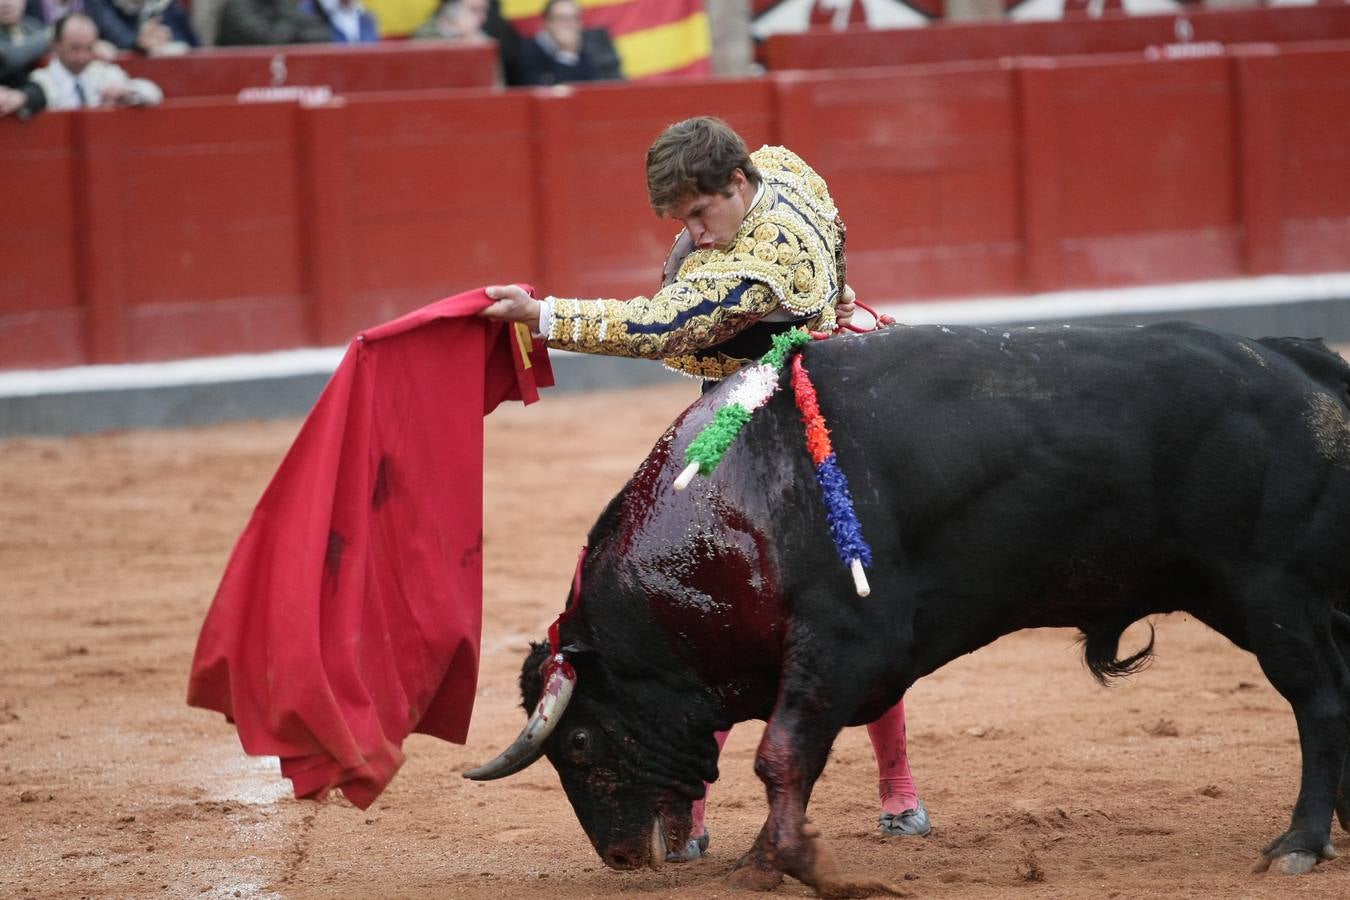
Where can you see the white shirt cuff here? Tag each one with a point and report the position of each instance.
(545, 317)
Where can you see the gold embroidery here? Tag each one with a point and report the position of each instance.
(801, 277)
(782, 257)
(709, 368)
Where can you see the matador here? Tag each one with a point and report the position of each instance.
(761, 252)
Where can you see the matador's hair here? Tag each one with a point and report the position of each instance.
(696, 156)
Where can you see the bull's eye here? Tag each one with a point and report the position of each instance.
(579, 742)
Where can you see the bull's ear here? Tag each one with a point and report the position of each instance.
(532, 674)
(539, 654)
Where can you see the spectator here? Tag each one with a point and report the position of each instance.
(456, 20)
(152, 27)
(349, 22)
(562, 51)
(75, 78)
(266, 22)
(48, 12)
(204, 15)
(23, 42)
(508, 41)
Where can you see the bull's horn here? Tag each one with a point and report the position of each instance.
(529, 744)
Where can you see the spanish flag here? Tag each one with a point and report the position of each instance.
(654, 37)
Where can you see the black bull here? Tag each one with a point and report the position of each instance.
(1054, 476)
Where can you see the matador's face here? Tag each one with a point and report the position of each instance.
(712, 220)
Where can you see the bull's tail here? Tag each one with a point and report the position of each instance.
(1100, 646)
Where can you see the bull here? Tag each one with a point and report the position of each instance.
(1080, 476)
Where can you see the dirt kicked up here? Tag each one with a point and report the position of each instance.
(1040, 783)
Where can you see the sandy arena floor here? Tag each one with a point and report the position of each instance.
(1041, 783)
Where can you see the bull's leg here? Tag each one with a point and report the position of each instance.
(1301, 658)
(788, 779)
(791, 756)
(1343, 795)
(1341, 632)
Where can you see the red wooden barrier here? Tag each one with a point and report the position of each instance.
(1113, 33)
(1038, 134)
(923, 167)
(1142, 189)
(391, 66)
(206, 228)
(196, 242)
(1259, 157)
(1311, 108)
(41, 320)
(441, 199)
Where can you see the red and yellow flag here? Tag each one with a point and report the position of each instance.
(654, 37)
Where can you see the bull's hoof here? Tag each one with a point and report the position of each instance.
(1295, 862)
(1300, 862)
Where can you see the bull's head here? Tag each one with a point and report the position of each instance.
(626, 769)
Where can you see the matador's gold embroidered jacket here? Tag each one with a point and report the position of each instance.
(783, 257)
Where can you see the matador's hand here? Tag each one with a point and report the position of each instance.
(513, 305)
(843, 307)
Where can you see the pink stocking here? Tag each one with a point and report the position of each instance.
(696, 812)
(894, 781)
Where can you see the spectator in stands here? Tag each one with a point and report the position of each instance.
(204, 14)
(562, 51)
(349, 22)
(266, 22)
(50, 11)
(152, 27)
(75, 78)
(509, 42)
(456, 20)
(23, 42)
